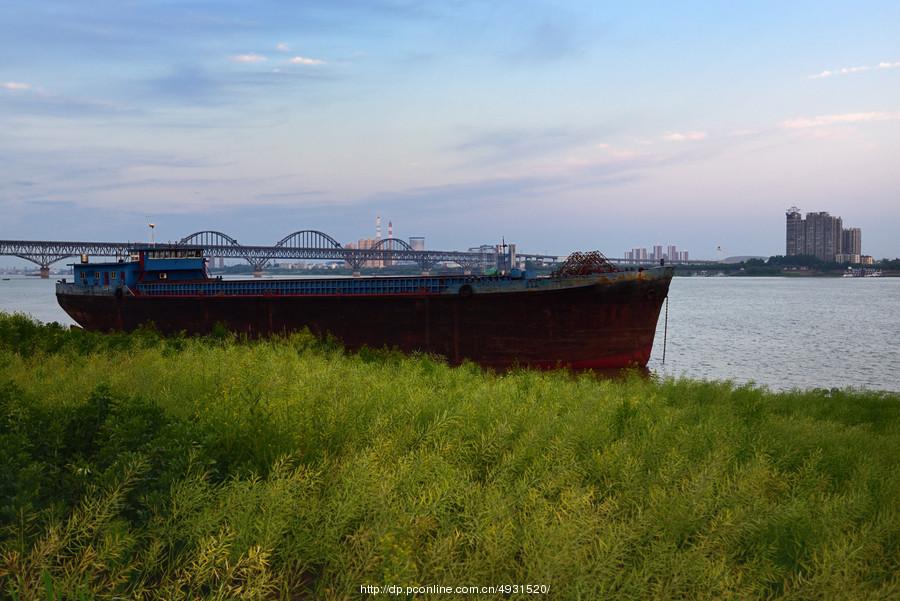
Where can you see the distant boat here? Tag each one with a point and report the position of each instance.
(862, 272)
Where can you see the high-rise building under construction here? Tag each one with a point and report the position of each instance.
(852, 241)
(795, 233)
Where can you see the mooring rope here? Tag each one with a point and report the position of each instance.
(666, 330)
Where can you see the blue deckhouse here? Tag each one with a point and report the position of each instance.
(144, 265)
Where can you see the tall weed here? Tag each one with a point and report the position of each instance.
(137, 466)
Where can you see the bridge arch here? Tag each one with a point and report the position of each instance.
(398, 245)
(309, 239)
(217, 238)
(392, 244)
(300, 239)
(209, 237)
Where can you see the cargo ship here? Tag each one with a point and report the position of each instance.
(588, 314)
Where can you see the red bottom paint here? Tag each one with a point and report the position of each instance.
(602, 325)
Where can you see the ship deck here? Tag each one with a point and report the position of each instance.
(360, 286)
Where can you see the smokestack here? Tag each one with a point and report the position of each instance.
(390, 229)
(378, 227)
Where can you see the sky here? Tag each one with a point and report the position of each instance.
(557, 125)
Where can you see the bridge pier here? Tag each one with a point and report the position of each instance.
(45, 272)
(425, 265)
(355, 264)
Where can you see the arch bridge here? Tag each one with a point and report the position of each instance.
(315, 244)
(302, 244)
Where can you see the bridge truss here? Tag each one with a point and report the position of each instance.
(299, 245)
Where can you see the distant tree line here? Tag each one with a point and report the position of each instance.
(802, 261)
(812, 262)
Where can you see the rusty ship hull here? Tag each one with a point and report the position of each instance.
(598, 321)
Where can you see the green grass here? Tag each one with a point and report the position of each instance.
(133, 466)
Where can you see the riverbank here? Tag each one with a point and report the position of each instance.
(167, 468)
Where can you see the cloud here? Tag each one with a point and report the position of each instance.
(511, 144)
(302, 60)
(848, 70)
(554, 40)
(684, 136)
(77, 176)
(247, 58)
(539, 181)
(535, 40)
(282, 47)
(282, 197)
(744, 132)
(15, 85)
(55, 105)
(465, 194)
(192, 86)
(842, 119)
(188, 85)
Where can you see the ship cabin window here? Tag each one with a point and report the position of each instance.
(122, 275)
(112, 275)
(96, 275)
(83, 275)
(162, 275)
(175, 254)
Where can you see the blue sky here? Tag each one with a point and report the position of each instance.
(561, 126)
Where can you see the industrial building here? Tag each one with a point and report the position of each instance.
(415, 243)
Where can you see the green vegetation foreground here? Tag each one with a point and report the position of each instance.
(133, 466)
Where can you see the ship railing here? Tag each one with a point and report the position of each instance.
(313, 287)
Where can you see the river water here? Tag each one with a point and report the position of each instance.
(784, 332)
(779, 332)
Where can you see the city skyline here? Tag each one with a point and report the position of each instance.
(656, 252)
(823, 236)
(559, 127)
